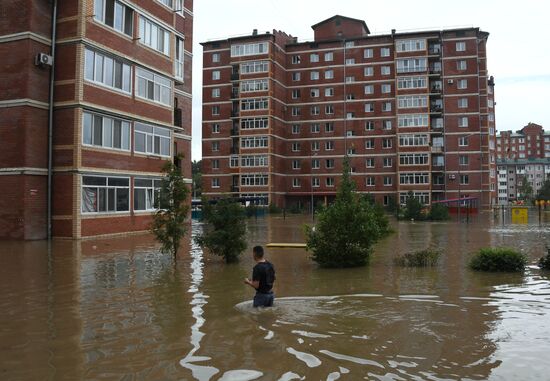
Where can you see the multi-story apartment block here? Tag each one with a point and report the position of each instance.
(120, 107)
(513, 172)
(413, 111)
(529, 142)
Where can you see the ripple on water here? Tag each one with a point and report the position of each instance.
(241, 375)
(310, 360)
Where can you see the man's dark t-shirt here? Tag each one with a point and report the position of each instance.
(264, 272)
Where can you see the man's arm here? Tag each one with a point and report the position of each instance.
(252, 283)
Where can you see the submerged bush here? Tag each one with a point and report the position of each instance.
(274, 209)
(498, 259)
(544, 262)
(421, 258)
(438, 212)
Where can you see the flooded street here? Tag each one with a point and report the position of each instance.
(116, 309)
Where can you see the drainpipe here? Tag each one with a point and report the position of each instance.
(50, 121)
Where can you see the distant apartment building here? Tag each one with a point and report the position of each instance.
(121, 109)
(413, 111)
(512, 173)
(529, 142)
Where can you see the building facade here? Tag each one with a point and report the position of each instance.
(121, 109)
(512, 173)
(413, 111)
(529, 142)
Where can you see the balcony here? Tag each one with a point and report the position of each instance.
(234, 188)
(436, 123)
(234, 113)
(435, 70)
(437, 149)
(436, 108)
(234, 150)
(235, 76)
(235, 131)
(434, 50)
(235, 92)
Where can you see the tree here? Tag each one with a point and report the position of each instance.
(525, 188)
(413, 208)
(544, 191)
(197, 178)
(346, 230)
(168, 224)
(226, 229)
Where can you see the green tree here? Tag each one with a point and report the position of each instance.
(168, 225)
(196, 172)
(225, 230)
(413, 208)
(346, 230)
(525, 189)
(438, 212)
(544, 191)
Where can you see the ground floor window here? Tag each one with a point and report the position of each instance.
(146, 193)
(105, 194)
(423, 197)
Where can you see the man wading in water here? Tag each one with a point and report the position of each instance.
(263, 276)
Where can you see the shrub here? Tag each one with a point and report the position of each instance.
(421, 258)
(346, 229)
(544, 262)
(498, 259)
(274, 209)
(225, 230)
(295, 208)
(438, 212)
(413, 208)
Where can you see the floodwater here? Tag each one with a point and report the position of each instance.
(117, 310)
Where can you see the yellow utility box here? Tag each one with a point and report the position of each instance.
(520, 215)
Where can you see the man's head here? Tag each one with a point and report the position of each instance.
(258, 252)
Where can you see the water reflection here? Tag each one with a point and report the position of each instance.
(117, 309)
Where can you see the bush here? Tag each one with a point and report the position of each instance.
(422, 258)
(498, 259)
(544, 262)
(438, 212)
(251, 210)
(274, 209)
(413, 208)
(225, 230)
(295, 208)
(346, 229)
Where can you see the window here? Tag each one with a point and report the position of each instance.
(329, 127)
(296, 76)
(314, 93)
(461, 65)
(239, 50)
(254, 123)
(315, 164)
(413, 159)
(409, 65)
(296, 182)
(215, 128)
(215, 75)
(413, 140)
(315, 110)
(315, 146)
(329, 92)
(350, 61)
(384, 52)
(146, 193)
(369, 144)
(329, 74)
(386, 106)
(296, 164)
(314, 57)
(385, 70)
(462, 84)
(254, 161)
(329, 56)
(369, 107)
(102, 131)
(254, 85)
(216, 92)
(295, 147)
(367, 53)
(233, 161)
(254, 104)
(463, 160)
(178, 59)
(349, 44)
(329, 109)
(410, 45)
(387, 124)
(295, 111)
(369, 181)
(255, 179)
(463, 121)
(295, 93)
(369, 89)
(315, 128)
(215, 110)
(295, 129)
(215, 57)
(254, 142)
(387, 181)
(115, 14)
(254, 67)
(387, 162)
(153, 87)
(215, 182)
(463, 103)
(411, 83)
(368, 71)
(151, 139)
(329, 163)
(386, 88)
(463, 141)
(460, 46)
(464, 179)
(369, 125)
(387, 143)
(413, 120)
(412, 101)
(329, 181)
(315, 183)
(329, 145)
(154, 36)
(314, 75)
(414, 178)
(295, 59)
(105, 194)
(107, 71)
(350, 79)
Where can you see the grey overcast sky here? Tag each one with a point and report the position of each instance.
(518, 46)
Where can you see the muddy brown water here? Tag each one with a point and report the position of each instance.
(115, 309)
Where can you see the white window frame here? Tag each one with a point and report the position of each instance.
(162, 87)
(154, 36)
(90, 136)
(157, 140)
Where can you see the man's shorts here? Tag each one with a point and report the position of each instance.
(263, 300)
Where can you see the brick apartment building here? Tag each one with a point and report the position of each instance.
(121, 108)
(529, 142)
(513, 172)
(414, 111)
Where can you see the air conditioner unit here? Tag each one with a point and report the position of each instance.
(43, 59)
(452, 177)
(450, 81)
